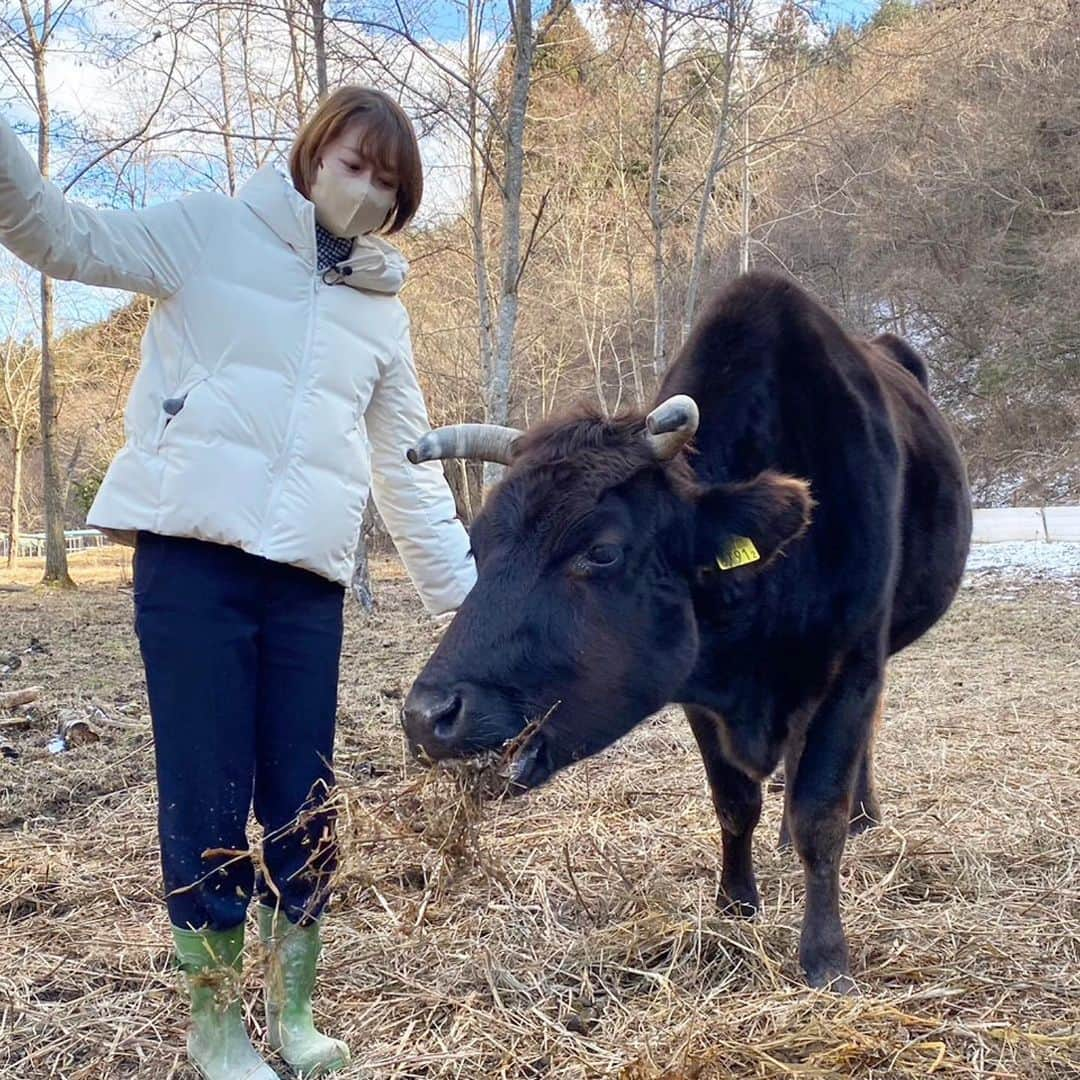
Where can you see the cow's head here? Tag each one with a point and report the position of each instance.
(587, 554)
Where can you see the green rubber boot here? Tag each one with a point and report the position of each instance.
(290, 980)
(217, 1044)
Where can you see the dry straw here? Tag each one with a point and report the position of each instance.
(572, 933)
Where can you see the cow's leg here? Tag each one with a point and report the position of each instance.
(819, 812)
(791, 765)
(783, 841)
(737, 799)
(865, 808)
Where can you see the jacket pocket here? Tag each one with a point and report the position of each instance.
(173, 405)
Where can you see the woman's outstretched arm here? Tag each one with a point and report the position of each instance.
(147, 251)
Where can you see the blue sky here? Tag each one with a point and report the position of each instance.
(445, 20)
(836, 12)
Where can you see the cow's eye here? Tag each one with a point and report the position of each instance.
(603, 554)
(598, 557)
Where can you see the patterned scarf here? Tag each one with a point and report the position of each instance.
(331, 249)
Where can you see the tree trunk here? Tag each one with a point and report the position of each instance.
(360, 585)
(744, 231)
(720, 138)
(476, 201)
(656, 216)
(56, 564)
(14, 523)
(297, 60)
(466, 494)
(318, 27)
(361, 579)
(628, 245)
(498, 388)
(485, 332)
(226, 104)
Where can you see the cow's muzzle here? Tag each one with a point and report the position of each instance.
(441, 724)
(433, 722)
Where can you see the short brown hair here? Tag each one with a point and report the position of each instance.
(389, 143)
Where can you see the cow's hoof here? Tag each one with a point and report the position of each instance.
(835, 983)
(738, 900)
(824, 957)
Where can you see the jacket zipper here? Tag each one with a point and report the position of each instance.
(290, 430)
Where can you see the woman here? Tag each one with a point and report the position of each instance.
(277, 349)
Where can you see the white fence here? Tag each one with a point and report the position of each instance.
(992, 525)
(32, 545)
(1047, 523)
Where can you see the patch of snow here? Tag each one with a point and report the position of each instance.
(1055, 560)
(1000, 490)
(1024, 561)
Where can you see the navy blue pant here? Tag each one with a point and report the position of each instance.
(241, 658)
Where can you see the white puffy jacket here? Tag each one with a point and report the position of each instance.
(270, 397)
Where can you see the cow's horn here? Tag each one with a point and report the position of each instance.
(671, 425)
(474, 442)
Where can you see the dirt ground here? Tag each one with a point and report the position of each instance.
(571, 933)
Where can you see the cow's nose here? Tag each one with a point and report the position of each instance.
(432, 719)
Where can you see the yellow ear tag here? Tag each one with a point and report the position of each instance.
(740, 552)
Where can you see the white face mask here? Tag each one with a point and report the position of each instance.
(350, 206)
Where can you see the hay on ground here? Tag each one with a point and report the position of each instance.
(573, 933)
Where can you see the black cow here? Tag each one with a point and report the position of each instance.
(622, 567)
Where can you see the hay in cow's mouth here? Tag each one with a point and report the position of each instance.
(519, 765)
(527, 766)
(525, 760)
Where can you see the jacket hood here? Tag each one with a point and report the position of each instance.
(374, 265)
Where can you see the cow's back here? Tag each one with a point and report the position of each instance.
(781, 385)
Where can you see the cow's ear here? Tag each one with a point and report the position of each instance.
(742, 524)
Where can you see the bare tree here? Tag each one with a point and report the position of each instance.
(736, 17)
(688, 64)
(477, 152)
(657, 216)
(479, 95)
(511, 263)
(33, 39)
(227, 136)
(30, 36)
(318, 33)
(20, 371)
